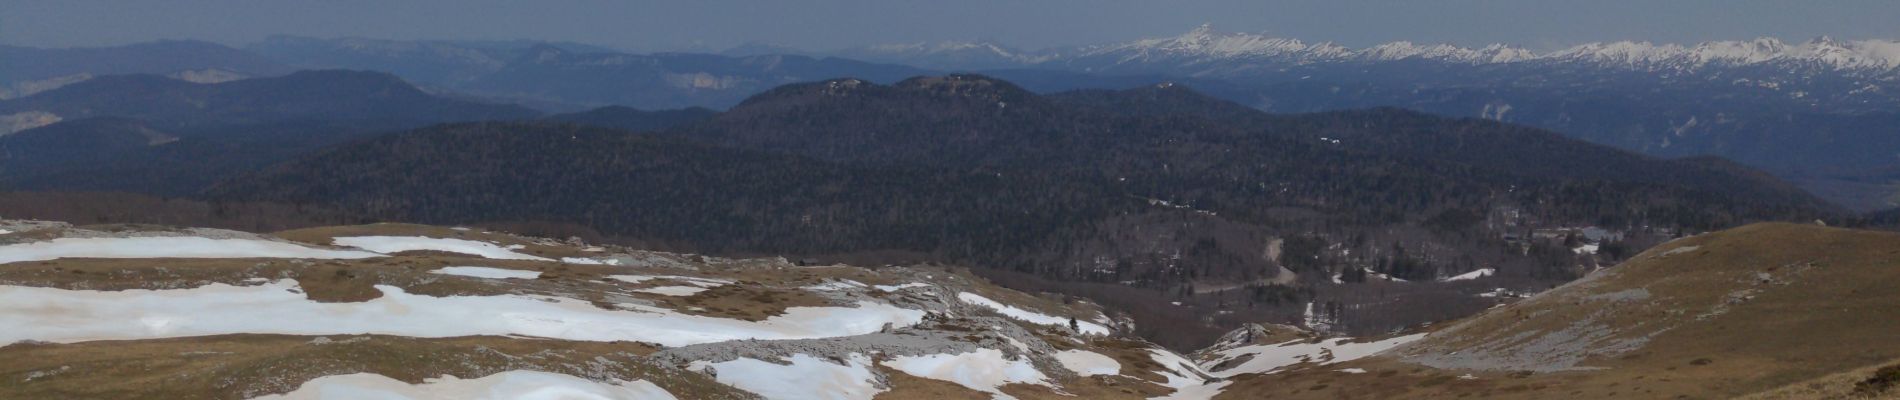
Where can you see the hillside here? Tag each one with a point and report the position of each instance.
(156, 135)
(1767, 310)
(86, 142)
(29, 70)
(571, 75)
(716, 199)
(1234, 219)
(1482, 143)
(305, 95)
(122, 311)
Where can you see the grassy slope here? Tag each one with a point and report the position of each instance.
(1713, 316)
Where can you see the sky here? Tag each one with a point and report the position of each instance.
(640, 25)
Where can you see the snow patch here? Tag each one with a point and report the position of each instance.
(397, 244)
(1199, 391)
(1480, 273)
(801, 377)
(1033, 317)
(1180, 372)
(1088, 363)
(589, 261)
(1680, 250)
(1185, 377)
(983, 370)
(167, 247)
(680, 291)
(487, 272)
(690, 280)
(49, 314)
(893, 288)
(837, 286)
(511, 385)
(1267, 359)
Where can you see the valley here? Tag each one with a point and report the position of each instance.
(817, 201)
(1185, 208)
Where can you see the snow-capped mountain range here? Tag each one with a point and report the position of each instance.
(948, 54)
(1205, 44)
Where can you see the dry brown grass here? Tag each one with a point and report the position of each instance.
(1827, 306)
(741, 301)
(1855, 384)
(908, 387)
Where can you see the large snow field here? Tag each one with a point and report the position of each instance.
(984, 370)
(1185, 377)
(802, 377)
(488, 272)
(1270, 358)
(1033, 317)
(57, 315)
(1088, 363)
(511, 385)
(397, 244)
(1198, 391)
(1180, 371)
(167, 247)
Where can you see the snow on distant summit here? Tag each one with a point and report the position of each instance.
(1207, 44)
(1204, 41)
(1878, 55)
(1496, 53)
(947, 54)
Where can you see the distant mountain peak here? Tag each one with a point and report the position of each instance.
(1201, 33)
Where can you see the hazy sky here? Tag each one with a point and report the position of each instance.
(828, 24)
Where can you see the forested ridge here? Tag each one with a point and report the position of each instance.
(1146, 189)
